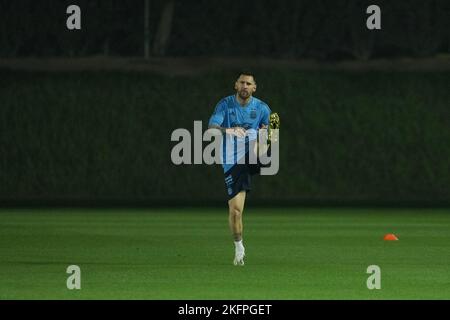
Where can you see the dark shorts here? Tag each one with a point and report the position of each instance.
(239, 177)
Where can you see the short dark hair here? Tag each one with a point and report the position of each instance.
(247, 73)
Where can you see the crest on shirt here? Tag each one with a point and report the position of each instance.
(253, 114)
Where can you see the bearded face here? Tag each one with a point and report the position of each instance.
(245, 86)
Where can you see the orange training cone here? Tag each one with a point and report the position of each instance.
(390, 237)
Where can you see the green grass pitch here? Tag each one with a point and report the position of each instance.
(295, 253)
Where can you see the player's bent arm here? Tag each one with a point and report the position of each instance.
(236, 131)
(221, 129)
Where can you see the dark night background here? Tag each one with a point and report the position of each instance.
(324, 30)
(86, 116)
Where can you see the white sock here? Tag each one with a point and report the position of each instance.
(238, 245)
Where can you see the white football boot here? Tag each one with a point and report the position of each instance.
(239, 257)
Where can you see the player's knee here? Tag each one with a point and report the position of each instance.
(235, 211)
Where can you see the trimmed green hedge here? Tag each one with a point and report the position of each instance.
(346, 136)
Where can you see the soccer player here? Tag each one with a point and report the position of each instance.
(234, 116)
